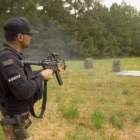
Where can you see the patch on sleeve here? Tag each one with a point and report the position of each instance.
(7, 63)
(14, 78)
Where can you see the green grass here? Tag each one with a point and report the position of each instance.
(136, 119)
(1, 134)
(126, 90)
(98, 117)
(92, 103)
(130, 101)
(116, 121)
(117, 98)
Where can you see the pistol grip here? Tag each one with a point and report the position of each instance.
(58, 77)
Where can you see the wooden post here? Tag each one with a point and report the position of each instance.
(117, 65)
(88, 63)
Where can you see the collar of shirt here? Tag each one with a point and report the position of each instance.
(10, 48)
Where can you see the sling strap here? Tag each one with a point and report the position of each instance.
(31, 105)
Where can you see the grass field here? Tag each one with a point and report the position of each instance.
(92, 104)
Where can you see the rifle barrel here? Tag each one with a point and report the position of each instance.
(40, 63)
(30, 62)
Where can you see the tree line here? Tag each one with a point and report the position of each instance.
(77, 28)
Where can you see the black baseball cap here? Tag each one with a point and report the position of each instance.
(18, 25)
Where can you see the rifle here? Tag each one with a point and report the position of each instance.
(51, 62)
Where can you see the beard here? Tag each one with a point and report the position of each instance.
(25, 45)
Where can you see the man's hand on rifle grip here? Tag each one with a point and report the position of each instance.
(60, 67)
(47, 74)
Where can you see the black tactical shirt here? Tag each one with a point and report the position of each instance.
(15, 82)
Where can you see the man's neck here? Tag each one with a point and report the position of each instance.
(14, 45)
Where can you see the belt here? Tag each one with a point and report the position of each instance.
(23, 117)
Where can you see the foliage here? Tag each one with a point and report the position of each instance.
(77, 29)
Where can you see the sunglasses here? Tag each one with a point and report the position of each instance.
(27, 34)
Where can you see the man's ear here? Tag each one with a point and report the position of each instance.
(20, 37)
